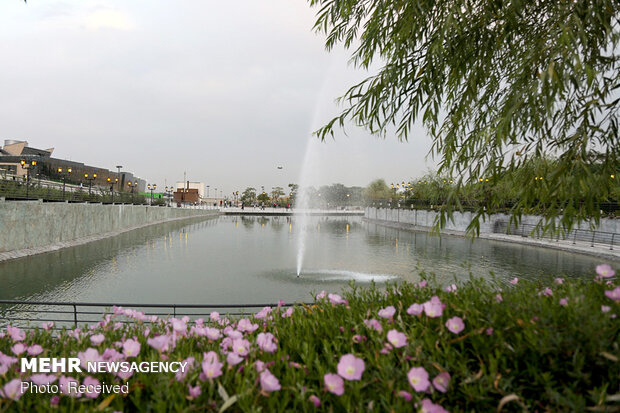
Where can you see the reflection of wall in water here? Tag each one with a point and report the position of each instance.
(24, 277)
(483, 256)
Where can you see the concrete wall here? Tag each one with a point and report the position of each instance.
(423, 218)
(35, 225)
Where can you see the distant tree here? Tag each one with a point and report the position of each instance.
(249, 195)
(263, 197)
(496, 84)
(276, 193)
(378, 190)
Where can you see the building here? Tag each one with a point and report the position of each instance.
(186, 196)
(46, 167)
(200, 186)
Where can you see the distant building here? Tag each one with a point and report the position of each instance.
(15, 151)
(200, 186)
(186, 196)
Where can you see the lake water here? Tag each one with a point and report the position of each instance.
(253, 260)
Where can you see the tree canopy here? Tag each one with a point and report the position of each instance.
(497, 84)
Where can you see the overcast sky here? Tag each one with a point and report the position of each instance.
(224, 90)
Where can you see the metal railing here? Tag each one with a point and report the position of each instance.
(73, 314)
(20, 189)
(581, 235)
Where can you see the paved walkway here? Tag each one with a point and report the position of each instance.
(602, 251)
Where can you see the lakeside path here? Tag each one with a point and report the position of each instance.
(602, 251)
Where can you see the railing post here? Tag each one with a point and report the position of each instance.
(575, 236)
(174, 310)
(75, 320)
(593, 234)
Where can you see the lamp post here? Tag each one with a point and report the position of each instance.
(152, 188)
(132, 185)
(111, 183)
(28, 167)
(64, 180)
(168, 191)
(90, 181)
(208, 191)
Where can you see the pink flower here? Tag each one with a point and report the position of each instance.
(288, 312)
(15, 333)
(178, 326)
(613, 294)
(415, 309)
(35, 350)
(265, 342)
(455, 324)
(418, 379)
(315, 400)
(214, 316)
(69, 390)
(269, 382)
(334, 384)
(233, 359)
(97, 339)
(18, 348)
(241, 346)
(499, 298)
(47, 325)
(451, 288)
(387, 312)
(396, 338)
(514, 281)
(246, 325)
(374, 324)
(262, 314)
(564, 301)
(159, 343)
(91, 384)
(427, 406)
(605, 271)
(194, 392)
(213, 333)
(335, 299)
(489, 331)
(559, 280)
(321, 295)
(351, 367)
(434, 307)
(42, 379)
(547, 292)
(405, 395)
(90, 355)
(12, 390)
(422, 284)
(211, 366)
(605, 308)
(131, 348)
(54, 400)
(441, 381)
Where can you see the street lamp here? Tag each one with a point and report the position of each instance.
(64, 180)
(90, 181)
(168, 191)
(111, 183)
(132, 185)
(28, 167)
(152, 188)
(208, 191)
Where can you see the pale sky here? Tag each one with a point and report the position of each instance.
(224, 90)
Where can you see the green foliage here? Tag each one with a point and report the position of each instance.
(264, 197)
(378, 190)
(497, 85)
(249, 195)
(527, 347)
